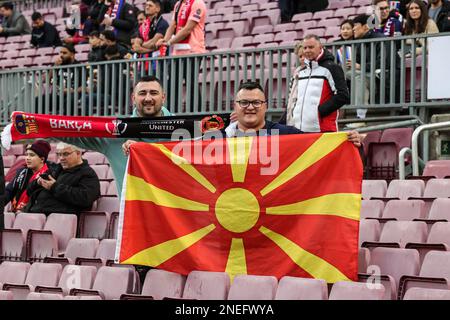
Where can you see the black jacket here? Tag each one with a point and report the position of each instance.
(124, 24)
(47, 36)
(443, 18)
(75, 190)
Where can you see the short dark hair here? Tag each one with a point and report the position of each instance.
(109, 35)
(140, 12)
(70, 47)
(148, 79)
(251, 85)
(157, 2)
(112, 50)
(349, 21)
(36, 15)
(94, 34)
(7, 5)
(362, 18)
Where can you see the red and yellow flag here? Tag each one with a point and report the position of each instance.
(279, 205)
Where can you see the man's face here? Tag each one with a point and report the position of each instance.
(66, 56)
(106, 42)
(436, 1)
(383, 9)
(250, 117)
(359, 30)
(68, 157)
(95, 42)
(5, 12)
(151, 9)
(38, 23)
(311, 48)
(149, 99)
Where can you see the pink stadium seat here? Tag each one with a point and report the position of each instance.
(363, 259)
(427, 294)
(244, 4)
(373, 189)
(403, 189)
(263, 38)
(404, 210)
(401, 136)
(8, 161)
(306, 25)
(101, 170)
(382, 160)
(9, 220)
(104, 185)
(344, 12)
(284, 27)
(249, 16)
(372, 136)
(214, 18)
(437, 168)
(434, 273)
(346, 290)
(24, 62)
(44, 296)
(267, 5)
(250, 287)
(113, 225)
(285, 36)
(204, 285)
(5, 64)
(295, 288)
(82, 48)
(362, 3)
(94, 157)
(437, 188)
(440, 210)
(27, 53)
(215, 27)
(369, 231)
(6, 295)
(329, 23)
(77, 247)
(108, 204)
(240, 42)
(105, 254)
(240, 28)
(302, 17)
(333, 31)
(398, 233)
(371, 208)
(109, 174)
(39, 274)
(231, 17)
(13, 272)
(112, 190)
(262, 29)
(42, 60)
(94, 224)
(47, 51)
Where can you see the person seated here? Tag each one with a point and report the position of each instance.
(36, 164)
(390, 24)
(71, 187)
(109, 39)
(96, 54)
(418, 22)
(14, 23)
(43, 34)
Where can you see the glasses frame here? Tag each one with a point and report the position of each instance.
(64, 154)
(251, 102)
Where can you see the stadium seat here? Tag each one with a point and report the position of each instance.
(437, 188)
(204, 285)
(285, 27)
(363, 259)
(382, 161)
(322, 15)
(346, 290)
(404, 189)
(440, 210)
(426, 294)
(302, 17)
(94, 157)
(264, 29)
(438, 239)
(369, 231)
(105, 253)
(373, 189)
(113, 225)
(372, 136)
(404, 210)
(112, 190)
(437, 168)
(44, 296)
(8, 161)
(9, 220)
(250, 287)
(295, 288)
(76, 248)
(94, 224)
(101, 170)
(108, 204)
(400, 136)
(13, 272)
(371, 209)
(6, 295)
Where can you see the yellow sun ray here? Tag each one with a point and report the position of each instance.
(156, 255)
(346, 205)
(236, 263)
(322, 147)
(239, 151)
(314, 265)
(139, 189)
(186, 167)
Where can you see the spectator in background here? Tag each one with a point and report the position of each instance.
(93, 19)
(96, 54)
(14, 23)
(288, 8)
(439, 11)
(108, 39)
(390, 24)
(43, 33)
(141, 18)
(72, 187)
(418, 22)
(75, 26)
(119, 17)
(344, 53)
(150, 31)
(186, 35)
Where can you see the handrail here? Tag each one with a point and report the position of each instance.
(415, 141)
(401, 162)
(398, 124)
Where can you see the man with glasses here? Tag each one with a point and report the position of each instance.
(71, 187)
(389, 20)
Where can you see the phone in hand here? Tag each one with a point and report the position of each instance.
(45, 176)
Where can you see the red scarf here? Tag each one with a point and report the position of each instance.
(182, 12)
(23, 199)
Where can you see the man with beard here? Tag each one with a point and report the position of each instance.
(439, 11)
(390, 24)
(43, 33)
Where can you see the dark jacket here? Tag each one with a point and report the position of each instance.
(15, 25)
(443, 18)
(270, 128)
(47, 36)
(124, 25)
(75, 190)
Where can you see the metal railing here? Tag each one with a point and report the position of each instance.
(200, 84)
(23, 5)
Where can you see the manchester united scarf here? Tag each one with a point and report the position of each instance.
(278, 205)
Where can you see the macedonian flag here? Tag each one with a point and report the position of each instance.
(279, 205)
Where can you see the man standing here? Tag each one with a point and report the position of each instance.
(14, 23)
(318, 90)
(43, 33)
(119, 16)
(439, 11)
(148, 97)
(72, 187)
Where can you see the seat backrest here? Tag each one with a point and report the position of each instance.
(369, 230)
(346, 290)
(426, 294)
(106, 249)
(440, 209)
(372, 136)
(439, 233)
(371, 209)
(403, 189)
(9, 219)
(395, 262)
(94, 158)
(80, 247)
(404, 209)
(44, 274)
(403, 232)
(113, 281)
(108, 204)
(44, 296)
(205, 285)
(401, 136)
(437, 188)
(6, 295)
(13, 272)
(63, 226)
(436, 264)
(27, 221)
(295, 288)
(373, 188)
(161, 283)
(101, 170)
(79, 277)
(363, 259)
(250, 287)
(437, 168)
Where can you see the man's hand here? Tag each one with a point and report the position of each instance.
(107, 21)
(126, 147)
(161, 42)
(355, 137)
(47, 184)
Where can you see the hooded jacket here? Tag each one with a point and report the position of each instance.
(15, 25)
(317, 91)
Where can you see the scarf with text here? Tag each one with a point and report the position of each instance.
(182, 12)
